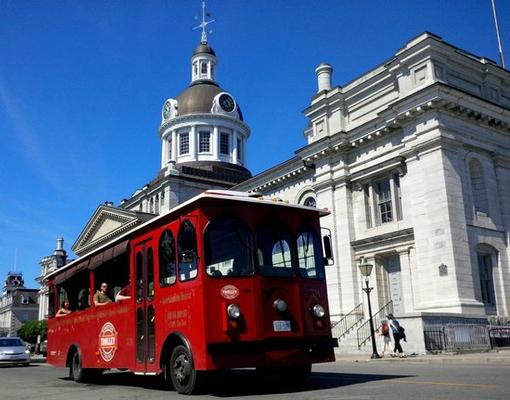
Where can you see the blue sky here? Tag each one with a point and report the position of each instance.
(82, 84)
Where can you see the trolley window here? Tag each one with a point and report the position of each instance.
(274, 257)
(228, 246)
(309, 255)
(167, 274)
(187, 244)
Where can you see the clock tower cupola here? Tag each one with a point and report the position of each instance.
(202, 130)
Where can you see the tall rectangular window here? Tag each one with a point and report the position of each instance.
(486, 285)
(239, 149)
(184, 143)
(382, 200)
(384, 204)
(225, 143)
(204, 141)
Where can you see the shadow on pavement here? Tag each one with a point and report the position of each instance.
(247, 382)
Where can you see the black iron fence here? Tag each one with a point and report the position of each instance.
(456, 337)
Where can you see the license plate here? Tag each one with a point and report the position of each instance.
(281, 326)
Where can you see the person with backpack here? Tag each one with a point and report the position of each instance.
(398, 333)
(384, 331)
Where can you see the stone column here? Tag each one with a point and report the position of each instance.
(174, 146)
(215, 140)
(193, 143)
(164, 151)
(406, 281)
(234, 147)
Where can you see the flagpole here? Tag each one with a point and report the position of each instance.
(501, 55)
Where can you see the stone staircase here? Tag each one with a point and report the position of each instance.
(354, 325)
(348, 344)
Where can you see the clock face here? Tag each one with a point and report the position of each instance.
(226, 102)
(167, 108)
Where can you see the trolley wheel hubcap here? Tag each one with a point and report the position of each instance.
(182, 368)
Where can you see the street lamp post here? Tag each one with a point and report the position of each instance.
(366, 269)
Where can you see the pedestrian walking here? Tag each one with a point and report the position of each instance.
(398, 333)
(384, 331)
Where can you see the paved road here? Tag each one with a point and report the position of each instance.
(341, 380)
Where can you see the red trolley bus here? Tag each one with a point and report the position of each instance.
(225, 280)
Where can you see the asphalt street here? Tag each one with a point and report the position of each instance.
(475, 378)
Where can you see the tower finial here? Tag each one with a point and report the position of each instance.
(204, 24)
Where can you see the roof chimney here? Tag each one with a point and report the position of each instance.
(60, 243)
(324, 72)
(59, 253)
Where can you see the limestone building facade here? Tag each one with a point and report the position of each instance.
(413, 161)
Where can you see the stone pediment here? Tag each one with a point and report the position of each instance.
(106, 223)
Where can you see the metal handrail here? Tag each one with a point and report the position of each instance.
(363, 332)
(348, 321)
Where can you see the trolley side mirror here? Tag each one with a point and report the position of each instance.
(328, 251)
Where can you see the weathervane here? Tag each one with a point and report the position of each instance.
(204, 23)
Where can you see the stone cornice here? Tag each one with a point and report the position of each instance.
(406, 235)
(501, 161)
(191, 118)
(437, 97)
(107, 237)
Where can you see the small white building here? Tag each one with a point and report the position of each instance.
(413, 160)
(17, 304)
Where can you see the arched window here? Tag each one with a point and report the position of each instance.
(310, 202)
(187, 243)
(478, 189)
(308, 199)
(166, 252)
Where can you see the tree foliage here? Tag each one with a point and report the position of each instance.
(31, 329)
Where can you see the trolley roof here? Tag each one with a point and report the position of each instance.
(228, 195)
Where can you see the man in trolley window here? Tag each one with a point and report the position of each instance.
(100, 297)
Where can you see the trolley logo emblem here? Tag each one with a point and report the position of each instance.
(229, 292)
(108, 341)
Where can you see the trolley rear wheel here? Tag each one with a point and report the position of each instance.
(76, 372)
(79, 374)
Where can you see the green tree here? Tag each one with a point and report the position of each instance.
(31, 329)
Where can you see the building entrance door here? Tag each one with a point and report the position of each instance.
(395, 283)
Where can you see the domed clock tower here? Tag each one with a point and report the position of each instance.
(203, 128)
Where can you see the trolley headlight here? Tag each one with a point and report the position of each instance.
(233, 311)
(318, 311)
(280, 305)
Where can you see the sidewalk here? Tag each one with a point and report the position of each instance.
(493, 356)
